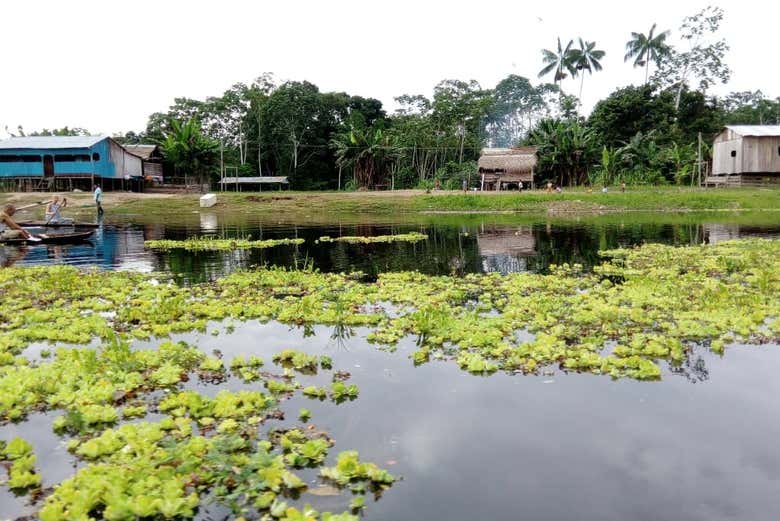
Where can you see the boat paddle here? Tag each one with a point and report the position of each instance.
(31, 205)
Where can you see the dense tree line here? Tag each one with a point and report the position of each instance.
(334, 140)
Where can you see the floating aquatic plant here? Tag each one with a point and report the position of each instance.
(639, 307)
(210, 244)
(21, 473)
(402, 237)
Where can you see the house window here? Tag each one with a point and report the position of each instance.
(64, 158)
(733, 153)
(82, 157)
(778, 151)
(20, 159)
(95, 157)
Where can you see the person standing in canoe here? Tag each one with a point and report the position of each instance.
(98, 196)
(53, 211)
(8, 227)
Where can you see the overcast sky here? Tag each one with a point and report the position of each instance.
(106, 66)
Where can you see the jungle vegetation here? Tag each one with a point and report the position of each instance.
(639, 134)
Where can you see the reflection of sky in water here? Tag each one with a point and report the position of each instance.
(559, 447)
(450, 249)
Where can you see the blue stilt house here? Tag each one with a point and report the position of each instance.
(67, 162)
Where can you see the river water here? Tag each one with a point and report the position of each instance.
(701, 444)
(455, 245)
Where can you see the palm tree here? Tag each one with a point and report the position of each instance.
(646, 48)
(560, 61)
(586, 58)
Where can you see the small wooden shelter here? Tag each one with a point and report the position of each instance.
(151, 160)
(746, 155)
(501, 168)
(249, 183)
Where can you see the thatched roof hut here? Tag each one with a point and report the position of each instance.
(499, 166)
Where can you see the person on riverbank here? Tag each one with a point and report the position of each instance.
(53, 211)
(8, 227)
(98, 196)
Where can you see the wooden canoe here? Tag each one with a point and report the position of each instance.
(60, 238)
(44, 224)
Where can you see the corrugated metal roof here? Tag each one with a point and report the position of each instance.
(755, 130)
(142, 151)
(51, 142)
(264, 179)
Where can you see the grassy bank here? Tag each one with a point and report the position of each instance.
(573, 202)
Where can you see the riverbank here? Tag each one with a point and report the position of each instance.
(571, 202)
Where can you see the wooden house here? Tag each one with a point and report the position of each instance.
(746, 155)
(502, 168)
(67, 162)
(151, 161)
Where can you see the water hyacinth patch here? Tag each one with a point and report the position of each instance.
(21, 473)
(153, 447)
(401, 237)
(653, 303)
(210, 244)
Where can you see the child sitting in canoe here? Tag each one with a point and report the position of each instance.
(53, 211)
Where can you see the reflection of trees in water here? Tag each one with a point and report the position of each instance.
(580, 244)
(340, 335)
(693, 368)
(450, 248)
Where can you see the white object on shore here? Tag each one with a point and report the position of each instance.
(208, 200)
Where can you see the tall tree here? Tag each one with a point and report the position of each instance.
(704, 59)
(459, 112)
(586, 58)
(291, 114)
(559, 62)
(646, 48)
(517, 107)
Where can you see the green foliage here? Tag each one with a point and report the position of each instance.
(298, 360)
(586, 58)
(209, 244)
(21, 473)
(566, 149)
(751, 108)
(559, 62)
(188, 150)
(703, 60)
(647, 48)
(339, 391)
(401, 237)
(315, 392)
(349, 469)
